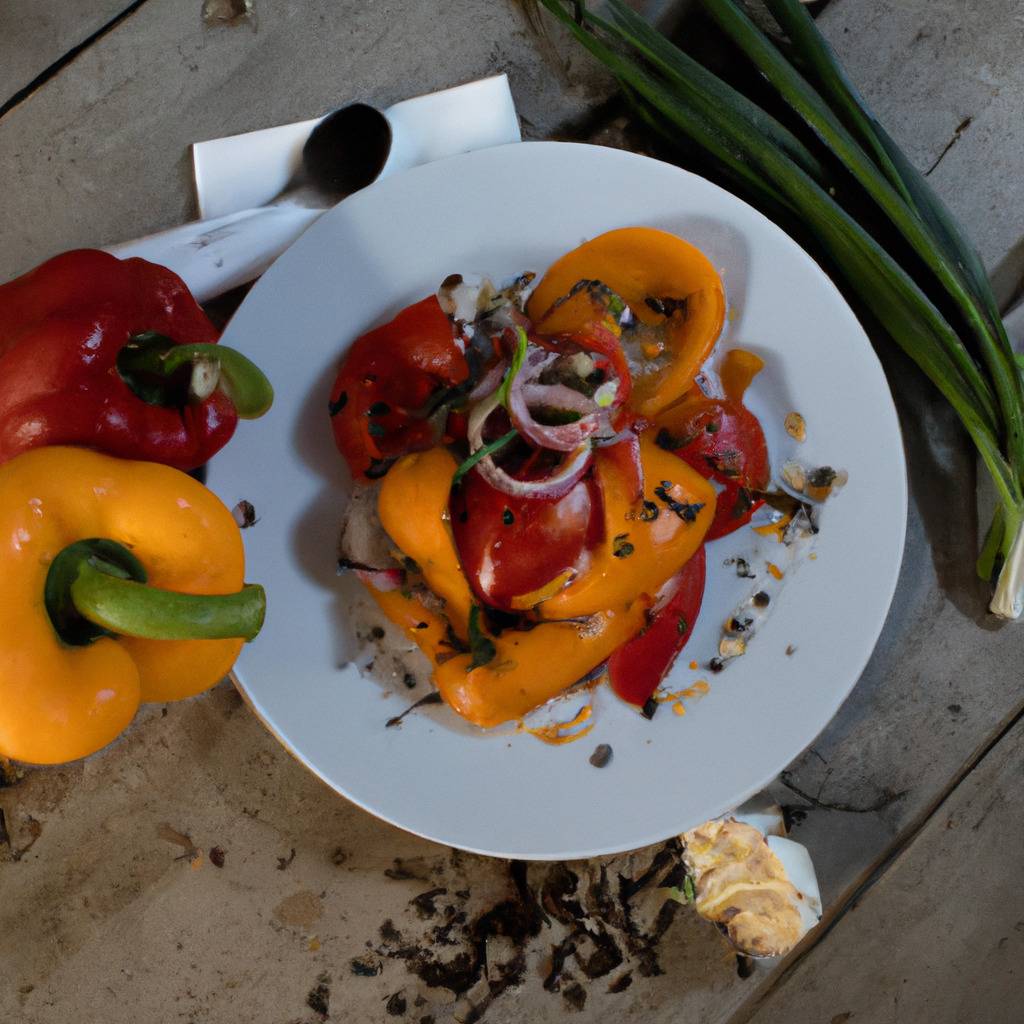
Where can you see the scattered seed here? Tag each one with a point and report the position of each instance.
(793, 474)
(796, 426)
(601, 756)
(731, 647)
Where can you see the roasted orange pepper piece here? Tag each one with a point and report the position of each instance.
(531, 668)
(413, 509)
(423, 627)
(97, 548)
(640, 264)
(645, 543)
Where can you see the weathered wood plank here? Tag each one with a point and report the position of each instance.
(34, 34)
(99, 154)
(939, 938)
(946, 78)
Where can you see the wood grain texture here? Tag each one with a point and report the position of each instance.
(946, 78)
(940, 937)
(36, 33)
(99, 154)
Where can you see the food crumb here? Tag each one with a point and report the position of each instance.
(693, 665)
(678, 708)
(796, 426)
(790, 651)
(217, 857)
(731, 647)
(775, 570)
(314, 944)
(813, 556)
(601, 756)
(244, 514)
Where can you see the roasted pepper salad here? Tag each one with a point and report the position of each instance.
(539, 467)
(122, 577)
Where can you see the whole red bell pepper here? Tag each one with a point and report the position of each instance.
(116, 355)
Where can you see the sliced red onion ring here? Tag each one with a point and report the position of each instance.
(563, 480)
(565, 437)
(489, 381)
(524, 392)
(604, 440)
(557, 396)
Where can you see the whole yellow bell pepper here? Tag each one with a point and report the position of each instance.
(120, 582)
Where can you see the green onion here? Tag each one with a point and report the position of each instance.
(482, 453)
(964, 350)
(518, 358)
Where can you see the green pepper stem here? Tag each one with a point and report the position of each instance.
(129, 608)
(98, 588)
(152, 364)
(236, 375)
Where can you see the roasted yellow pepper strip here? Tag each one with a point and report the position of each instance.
(424, 628)
(644, 545)
(62, 700)
(530, 668)
(640, 264)
(413, 509)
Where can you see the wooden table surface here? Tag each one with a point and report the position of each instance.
(114, 905)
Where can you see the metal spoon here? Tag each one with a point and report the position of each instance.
(343, 153)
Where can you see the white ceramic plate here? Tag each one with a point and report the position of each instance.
(501, 211)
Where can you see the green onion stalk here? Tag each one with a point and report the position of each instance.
(842, 180)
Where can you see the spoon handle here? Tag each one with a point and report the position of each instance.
(214, 256)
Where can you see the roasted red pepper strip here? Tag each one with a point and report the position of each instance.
(638, 666)
(721, 439)
(63, 328)
(626, 457)
(517, 551)
(390, 377)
